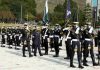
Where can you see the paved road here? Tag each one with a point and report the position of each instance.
(11, 59)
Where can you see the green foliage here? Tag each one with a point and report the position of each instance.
(14, 6)
(88, 11)
(76, 13)
(82, 17)
(59, 13)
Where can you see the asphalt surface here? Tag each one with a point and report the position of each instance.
(11, 59)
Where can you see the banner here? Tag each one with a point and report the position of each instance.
(94, 3)
(45, 17)
(68, 10)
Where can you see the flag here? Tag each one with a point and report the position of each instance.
(45, 16)
(94, 3)
(68, 10)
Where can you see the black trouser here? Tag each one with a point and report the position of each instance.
(79, 55)
(35, 49)
(68, 46)
(3, 39)
(13, 39)
(33, 46)
(98, 51)
(9, 40)
(82, 46)
(86, 51)
(51, 43)
(17, 41)
(96, 41)
(99, 47)
(42, 40)
(56, 45)
(28, 46)
(46, 45)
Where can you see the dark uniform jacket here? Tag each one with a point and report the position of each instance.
(36, 38)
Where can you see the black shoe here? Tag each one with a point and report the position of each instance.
(3, 46)
(85, 64)
(30, 55)
(46, 54)
(24, 55)
(41, 55)
(10, 47)
(72, 66)
(17, 49)
(35, 55)
(95, 64)
(81, 67)
(56, 56)
(52, 51)
(67, 58)
(85, 61)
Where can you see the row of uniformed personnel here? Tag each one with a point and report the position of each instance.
(75, 38)
(23, 36)
(81, 39)
(10, 36)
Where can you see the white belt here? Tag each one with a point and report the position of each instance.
(88, 39)
(56, 36)
(51, 36)
(69, 37)
(45, 35)
(75, 40)
(17, 35)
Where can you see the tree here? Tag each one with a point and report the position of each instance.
(59, 13)
(14, 7)
(88, 13)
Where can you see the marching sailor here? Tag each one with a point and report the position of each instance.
(89, 45)
(45, 35)
(75, 36)
(67, 40)
(56, 40)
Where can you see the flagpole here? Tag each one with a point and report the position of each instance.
(67, 13)
(21, 13)
(78, 14)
